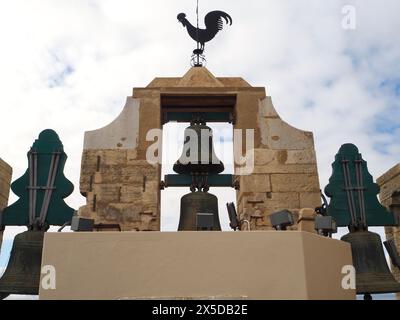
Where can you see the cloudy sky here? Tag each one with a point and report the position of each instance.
(70, 64)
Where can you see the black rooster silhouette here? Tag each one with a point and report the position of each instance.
(213, 22)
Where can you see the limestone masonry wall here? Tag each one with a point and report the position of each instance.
(5, 181)
(120, 186)
(285, 174)
(390, 198)
(120, 189)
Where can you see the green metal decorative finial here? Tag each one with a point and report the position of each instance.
(43, 187)
(353, 193)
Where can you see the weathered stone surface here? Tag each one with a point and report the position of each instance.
(107, 192)
(284, 154)
(267, 109)
(5, 169)
(277, 134)
(122, 133)
(4, 189)
(294, 182)
(169, 82)
(390, 184)
(129, 194)
(247, 109)
(389, 175)
(271, 200)
(164, 82)
(5, 182)
(120, 189)
(199, 77)
(256, 183)
(263, 157)
(306, 220)
(310, 200)
(286, 169)
(258, 206)
(307, 156)
(234, 82)
(282, 161)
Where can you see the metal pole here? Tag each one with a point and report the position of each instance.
(350, 200)
(197, 35)
(363, 213)
(30, 169)
(49, 190)
(35, 185)
(361, 193)
(197, 13)
(1, 234)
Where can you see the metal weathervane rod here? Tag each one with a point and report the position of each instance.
(197, 62)
(197, 31)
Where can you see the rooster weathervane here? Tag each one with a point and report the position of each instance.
(214, 22)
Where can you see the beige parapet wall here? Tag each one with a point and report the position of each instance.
(390, 198)
(5, 181)
(196, 265)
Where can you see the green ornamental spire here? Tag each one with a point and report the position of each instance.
(353, 193)
(43, 187)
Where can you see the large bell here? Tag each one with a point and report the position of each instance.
(198, 153)
(373, 275)
(199, 212)
(22, 275)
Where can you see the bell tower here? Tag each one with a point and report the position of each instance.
(277, 169)
(5, 181)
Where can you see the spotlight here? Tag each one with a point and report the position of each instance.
(79, 224)
(281, 220)
(234, 223)
(325, 225)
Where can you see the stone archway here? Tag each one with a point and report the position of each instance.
(122, 187)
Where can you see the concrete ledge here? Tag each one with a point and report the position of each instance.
(196, 265)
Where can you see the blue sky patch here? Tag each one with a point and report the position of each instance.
(354, 58)
(309, 104)
(5, 252)
(58, 79)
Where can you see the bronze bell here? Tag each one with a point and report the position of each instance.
(373, 275)
(198, 153)
(199, 212)
(22, 275)
(199, 209)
